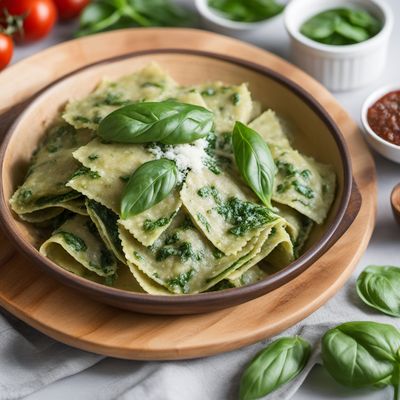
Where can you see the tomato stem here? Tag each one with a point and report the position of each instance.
(13, 23)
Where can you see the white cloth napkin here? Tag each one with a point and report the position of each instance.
(30, 360)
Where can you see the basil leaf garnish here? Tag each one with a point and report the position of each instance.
(166, 122)
(151, 183)
(247, 11)
(277, 364)
(360, 354)
(254, 161)
(341, 26)
(379, 287)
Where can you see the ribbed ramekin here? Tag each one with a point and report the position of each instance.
(383, 147)
(339, 67)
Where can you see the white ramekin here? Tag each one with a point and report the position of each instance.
(339, 67)
(386, 149)
(212, 20)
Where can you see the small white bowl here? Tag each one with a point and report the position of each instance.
(386, 149)
(217, 22)
(339, 67)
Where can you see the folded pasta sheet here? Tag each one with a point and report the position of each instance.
(229, 103)
(224, 211)
(208, 231)
(183, 261)
(106, 170)
(77, 246)
(44, 190)
(301, 182)
(149, 84)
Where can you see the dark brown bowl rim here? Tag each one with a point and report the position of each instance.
(225, 296)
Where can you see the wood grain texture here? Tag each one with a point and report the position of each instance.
(70, 317)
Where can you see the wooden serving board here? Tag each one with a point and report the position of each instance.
(72, 318)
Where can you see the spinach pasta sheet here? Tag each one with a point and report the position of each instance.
(193, 223)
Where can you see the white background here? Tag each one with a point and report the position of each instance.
(383, 249)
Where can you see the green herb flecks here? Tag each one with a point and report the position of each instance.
(208, 92)
(184, 251)
(172, 238)
(85, 171)
(304, 190)
(218, 254)
(107, 260)
(77, 243)
(181, 281)
(138, 256)
(203, 220)
(109, 220)
(56, 199)
(151, 225)
(24, 196)
(93, 157)
(243, 215)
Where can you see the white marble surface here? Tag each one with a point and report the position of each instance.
(383, 249)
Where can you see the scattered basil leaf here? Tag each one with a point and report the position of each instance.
(379, 287)
(151, 183)
(167, 122)
(277, 364)
(254, 161)
(105, 15)
(360, 354)
(341, 26)
(247, 11)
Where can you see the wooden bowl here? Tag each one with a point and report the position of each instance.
(316, 135)
(395, 202)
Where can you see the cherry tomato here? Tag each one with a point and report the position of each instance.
(6, 50)
(40, 16)
(68, 9)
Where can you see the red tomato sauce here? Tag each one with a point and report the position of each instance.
(384, 117)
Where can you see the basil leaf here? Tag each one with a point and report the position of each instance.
(98, 17)
(168, 14)
(379, 287)
(151, 183)
(247, 11)
(254, 161)
(359, 354)
(351, 32)
(341, 26)
(166, 122)
(274, 366)
(319, 27)
(105, 15)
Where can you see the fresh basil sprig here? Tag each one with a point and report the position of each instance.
(341, 26)
(277, 364)
(166, 122)
(105, 15)
(151, 183)
(247, 11)
(379, 287)
(254, 161)
(361, 354)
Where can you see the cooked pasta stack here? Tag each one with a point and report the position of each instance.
(210, 233)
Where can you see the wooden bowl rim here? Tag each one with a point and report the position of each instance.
(228, 295)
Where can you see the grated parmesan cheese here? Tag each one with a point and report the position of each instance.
(186, 156)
